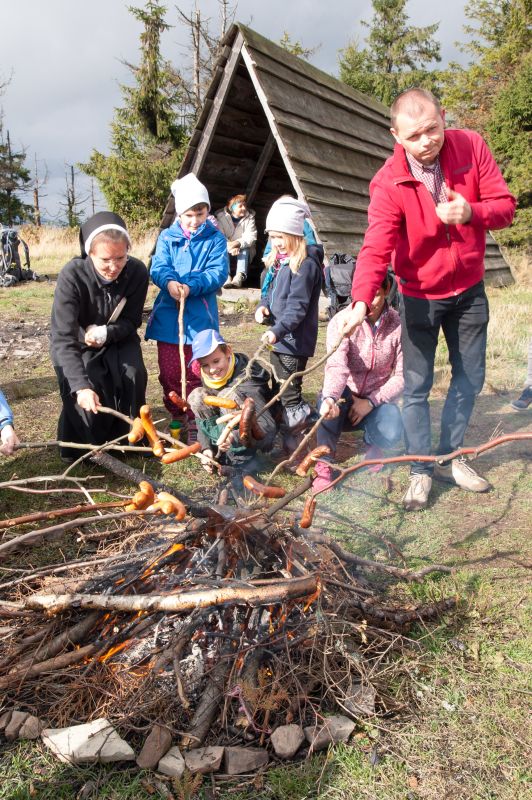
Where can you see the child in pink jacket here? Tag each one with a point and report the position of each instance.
(367, 373)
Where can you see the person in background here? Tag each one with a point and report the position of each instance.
(190, 264)
(95, 347)
(366, 373)
(8, 437)
(237, 223)
(525, 398)
(430, 207)
(289, 305)
(220, 369)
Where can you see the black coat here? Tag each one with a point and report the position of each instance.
(115, 371)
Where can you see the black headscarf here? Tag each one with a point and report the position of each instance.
(102, 221)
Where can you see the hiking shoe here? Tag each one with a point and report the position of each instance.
(229, 283)
(371, 453)
(522, 402)
(417, 494)
(238, 281)
(323, 477)
(461, 474)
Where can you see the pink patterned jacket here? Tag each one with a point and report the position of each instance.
(370, 364)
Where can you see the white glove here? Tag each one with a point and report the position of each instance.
(97, 333)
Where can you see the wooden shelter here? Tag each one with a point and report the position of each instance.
(273, 124)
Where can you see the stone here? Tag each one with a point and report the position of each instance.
(4, 719)
(360, 700)
(172, 763)
(18, 718)
(156, 745)
(241, 760)
(287, 739)
(31, 728)
(92, 742)
(334, 729)
(204, 759)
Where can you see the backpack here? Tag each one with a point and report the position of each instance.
(338, 281)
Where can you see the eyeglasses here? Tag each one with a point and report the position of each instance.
(107, 262)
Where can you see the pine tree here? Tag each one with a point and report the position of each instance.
(396, 55)
(492, 95)
(14, 181)
(147, 142)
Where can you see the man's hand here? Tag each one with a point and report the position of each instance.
(269, 337)
(456, 211)
(261, 313)
(177, 290)
(355, 318)
(329, 409)
(88, 400)
(360, 409)
(207, 465)
(9, 440)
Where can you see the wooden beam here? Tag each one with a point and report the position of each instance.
(260, 168)
(217, 106)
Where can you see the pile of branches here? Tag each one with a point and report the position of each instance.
(222, 625)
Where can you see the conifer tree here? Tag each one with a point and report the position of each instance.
(14, 181)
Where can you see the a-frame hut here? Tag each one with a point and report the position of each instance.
(273, 124)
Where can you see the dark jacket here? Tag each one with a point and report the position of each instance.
(292, 301)
(203, 264)
(81, 299)
(256, 386)
(432, 260)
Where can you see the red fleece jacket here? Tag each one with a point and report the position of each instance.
(431, 259)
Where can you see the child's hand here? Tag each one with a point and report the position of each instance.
(229, 442)
(269, 337)
(207, 465)
(9, 440)
(329, 408)
(261, 313)
(360, 409)
(177, 290)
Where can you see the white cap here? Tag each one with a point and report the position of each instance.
(287, 215)
(189, 192)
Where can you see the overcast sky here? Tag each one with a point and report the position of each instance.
(65, 60)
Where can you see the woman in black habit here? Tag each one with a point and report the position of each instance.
(95, 346)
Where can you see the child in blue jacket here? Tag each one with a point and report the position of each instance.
(190, 261)
(289, 305)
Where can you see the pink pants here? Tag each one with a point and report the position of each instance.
(170, 375)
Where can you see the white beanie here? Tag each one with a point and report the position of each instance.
(287, 216)
(189, 192)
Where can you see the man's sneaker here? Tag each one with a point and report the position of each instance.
(323, 477)
(238, 280)
(229, 283)
(372, 453)
(417, 494)
(461, 474)
(522, 402)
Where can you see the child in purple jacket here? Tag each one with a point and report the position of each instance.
(366, 372)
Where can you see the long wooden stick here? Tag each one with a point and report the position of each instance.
(181, 325)
(186, 601)
(61, 512)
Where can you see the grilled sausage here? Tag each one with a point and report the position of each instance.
(311, 459)
(178, 455)
(137, 431)
(219, 402)
(178, 401)
(244, 426)
(308, 513)
(260, 488)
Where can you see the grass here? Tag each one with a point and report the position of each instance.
(465, 733)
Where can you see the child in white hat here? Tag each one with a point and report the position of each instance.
(289, 305)
(190, 264)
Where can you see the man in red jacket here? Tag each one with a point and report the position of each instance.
(430, 207)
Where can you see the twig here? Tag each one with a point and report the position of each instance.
(80, 446)
(298, 449)
(60, 512)
(181, 327)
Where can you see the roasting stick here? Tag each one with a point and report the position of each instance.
(181, 325)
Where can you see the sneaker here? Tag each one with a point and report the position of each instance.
(373, 452)
(417, 494)
(238, 281)
(461, 474)
(522, 402)
(229, 283)
(323, 477)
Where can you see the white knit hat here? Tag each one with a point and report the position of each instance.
(189, 192)
(287, 216)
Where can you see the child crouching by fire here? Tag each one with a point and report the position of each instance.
(220, 369)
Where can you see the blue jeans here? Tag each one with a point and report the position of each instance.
(464, 322)
(242, 261)
(383, 427)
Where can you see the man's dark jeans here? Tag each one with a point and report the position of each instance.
(464, 322)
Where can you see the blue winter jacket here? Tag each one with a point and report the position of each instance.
(202, 263)
(6, 415)
(292, 301)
